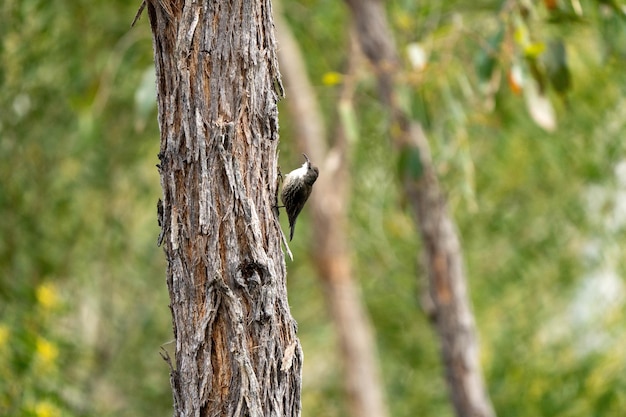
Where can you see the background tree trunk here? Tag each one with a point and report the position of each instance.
(218, 84)
(362, 381)
(453, 315)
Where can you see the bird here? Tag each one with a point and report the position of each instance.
(297, 188)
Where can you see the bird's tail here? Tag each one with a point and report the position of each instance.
(292, 227)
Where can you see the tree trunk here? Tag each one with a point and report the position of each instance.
(358, 356)
(453, 315)
(218, 84)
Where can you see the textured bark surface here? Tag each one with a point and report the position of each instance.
(358, 356)
(218, 84)
(453, 315)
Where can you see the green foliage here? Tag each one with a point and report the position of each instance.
(78, 227)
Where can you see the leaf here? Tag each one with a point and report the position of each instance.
(537, 73)
(418, 57)
(539, 106)
(550, 4)
(534, 49)
(486, 59)
(515, 78)
(410, 163)
(523, 39)
(555, 61)
(521, 34)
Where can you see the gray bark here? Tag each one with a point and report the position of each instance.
(218, 84)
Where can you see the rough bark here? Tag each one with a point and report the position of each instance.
(218, 84)
(362, 380)
(453, 315)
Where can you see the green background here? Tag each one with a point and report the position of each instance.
(541, 212)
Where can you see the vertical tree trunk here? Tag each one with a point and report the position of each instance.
(454, 319)
(358, 356)
(218, 84)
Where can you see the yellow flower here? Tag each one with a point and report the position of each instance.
(47, 351)
(4, 334)
(331, 78)
(46, 409)
(47, 295)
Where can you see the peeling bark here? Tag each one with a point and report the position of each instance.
(218, 84)
(453, 315)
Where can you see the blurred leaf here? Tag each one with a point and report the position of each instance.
(515, 78)
(534, 49)
(537, 73)
(550, 4)
(417, 55)
(521, 34)
(410, 163)
(487, 58)
(559, 16)
(555, 61)
(539, 106)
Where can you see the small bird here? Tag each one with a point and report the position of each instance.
(297, 188)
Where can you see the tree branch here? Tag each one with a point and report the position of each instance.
(454, 319)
